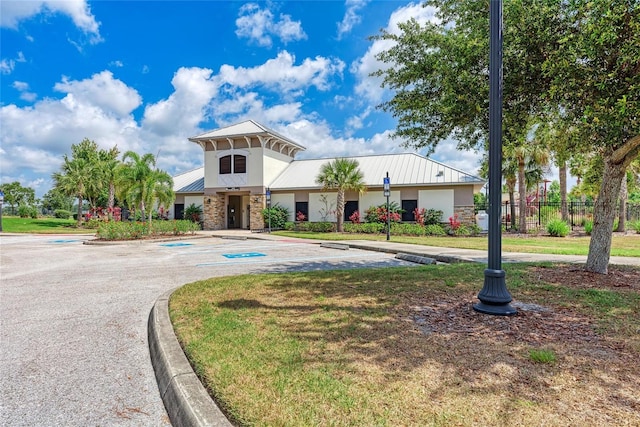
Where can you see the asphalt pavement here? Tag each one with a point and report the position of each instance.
(83, 325)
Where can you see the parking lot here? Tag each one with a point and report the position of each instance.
(73, 317)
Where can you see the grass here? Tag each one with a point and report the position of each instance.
(620, 245)
(14, 224)
(402, 346)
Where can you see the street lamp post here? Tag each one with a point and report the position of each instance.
(494, 296)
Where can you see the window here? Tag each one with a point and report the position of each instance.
(225, 165)
(408, 206)
(239, 164)
(302, 207)
(350, 208)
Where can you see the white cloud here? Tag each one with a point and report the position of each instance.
(259, 25)
(281, 74)
(12, 12)
(117, 63)
(351, 17)
(103, 91)
(186, 107)
(367, 86)
(7, 66)
(25, 94)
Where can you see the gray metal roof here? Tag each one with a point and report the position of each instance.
(189, 182)
(408, 169)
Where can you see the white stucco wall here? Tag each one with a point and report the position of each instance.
(437, 199)
(274, 163)
(286, 200)
(316, 204)
(375, 198)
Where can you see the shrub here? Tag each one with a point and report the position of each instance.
(92, 223)
(300, 217)
(321, 227)
(61, 213)
(118, 230)
(379, 213)
(558, 228)
(634, 225)
(25, 211)
(365, 227)
(588, 227)
(434, 230)
(433, 216)
(407, 229)
(355, 217)
(276, 215)
(193, 213)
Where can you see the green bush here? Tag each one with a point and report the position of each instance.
(366, 228)
(434, 230)
(92, 223)
(61, 213)
(407, 229)
(588, 227)
(634, 225)
(25, 211)
(119, 230)
(558, 228)
(276, 215)
(433, 217)
(193, 213)
(321, 227)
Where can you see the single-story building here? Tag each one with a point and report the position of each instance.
(243, 161)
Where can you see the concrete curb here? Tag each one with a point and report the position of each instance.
(187, 401)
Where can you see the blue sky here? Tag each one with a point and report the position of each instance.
(146, 75)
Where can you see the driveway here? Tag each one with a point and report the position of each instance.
(73, 318)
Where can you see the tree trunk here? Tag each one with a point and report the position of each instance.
(563, 192)
(604, 212)
(522, 189)
(340, 211)
(79, 223)
(622, 216)
(112, 200)
(512, 207)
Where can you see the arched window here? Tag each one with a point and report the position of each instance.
(225, 165)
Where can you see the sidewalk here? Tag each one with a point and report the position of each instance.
(187, 401)
(442, 254)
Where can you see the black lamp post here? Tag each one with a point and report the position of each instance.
(269, 207)
(494, 296)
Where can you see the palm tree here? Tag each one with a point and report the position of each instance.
(132, 174)
(142, 185)
(109, 170)
(158, 189)
(74, 179)
(528, 155)
(341, 175)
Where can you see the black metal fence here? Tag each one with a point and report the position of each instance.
(540, 213)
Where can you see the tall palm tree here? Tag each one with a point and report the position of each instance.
(527, 155)
(341, 175)
(132, 174)
(158, 189)
(74, 180)
(108, 165)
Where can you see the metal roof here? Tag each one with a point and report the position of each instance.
(246, 128)
(408, 169)
(189, 182)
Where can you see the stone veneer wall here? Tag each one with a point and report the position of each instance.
(214, 212)
(466, 214)
(257, 203)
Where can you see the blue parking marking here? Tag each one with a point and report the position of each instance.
(243, 255)
(173, 245)
(64, 241)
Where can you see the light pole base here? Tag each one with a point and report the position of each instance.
(494, 296)
(496, 310)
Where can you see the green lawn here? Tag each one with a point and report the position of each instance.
(14, 224)
(402, 346)
(621, 245)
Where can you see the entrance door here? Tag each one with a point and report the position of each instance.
(234, 212)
